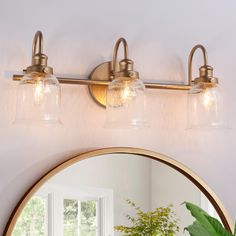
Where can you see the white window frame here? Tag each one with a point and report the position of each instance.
(56, 193)
(99, 211)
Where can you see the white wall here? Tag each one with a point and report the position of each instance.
(171, 187)
(128, 177)
(81, 34)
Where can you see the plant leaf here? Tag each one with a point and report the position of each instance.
(198, 214)
(218, 226)
(162, 221)
(197, 229)
(204, 221)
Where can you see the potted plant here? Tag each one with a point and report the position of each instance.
(160, 222)
(205, 225)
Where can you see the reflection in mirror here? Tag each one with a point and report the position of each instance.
(89, 197)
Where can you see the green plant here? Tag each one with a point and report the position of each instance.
(205, 225)
(160, 222)
(32, 219)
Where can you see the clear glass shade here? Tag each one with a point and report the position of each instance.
(125, 103)
(205, 108)
(38, 99)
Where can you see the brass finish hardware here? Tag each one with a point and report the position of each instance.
(205, 72)
(111, 70)
(190, 175)
(104, 73)
(101, 73)
(100, 77)
(148, 85)
(39, 60)
(64, 80)
(98, 86)
(126, 65)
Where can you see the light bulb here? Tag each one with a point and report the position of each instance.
(38, 99)
(125, 104)
(205, 108)
(127, 94)
(209, 99)
(38, 92)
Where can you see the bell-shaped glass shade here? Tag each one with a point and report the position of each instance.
(205, 108)
(38, 99)
(125, 103)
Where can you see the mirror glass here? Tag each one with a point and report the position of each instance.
(90, 197)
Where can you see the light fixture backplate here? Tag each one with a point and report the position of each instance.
(103, 73)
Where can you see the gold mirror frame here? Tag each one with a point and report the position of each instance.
(195, 179)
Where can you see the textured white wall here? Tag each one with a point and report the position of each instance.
(81, 34)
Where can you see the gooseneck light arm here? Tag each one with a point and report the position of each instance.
(39, 59)
(106, 70)
(37, 44)
(116, 48)
(190, 60)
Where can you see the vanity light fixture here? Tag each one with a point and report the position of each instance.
(117, 87)
(39, 90)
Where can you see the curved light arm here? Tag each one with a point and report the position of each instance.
(116, 48)
(37, 47)
(39, 60)
(104, 77)
(190, 60)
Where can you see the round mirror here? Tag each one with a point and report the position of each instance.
(95, 193)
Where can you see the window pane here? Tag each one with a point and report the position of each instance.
(32, 219)
(88, 220)
(70, 217)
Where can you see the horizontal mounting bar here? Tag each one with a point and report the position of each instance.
(107, 82)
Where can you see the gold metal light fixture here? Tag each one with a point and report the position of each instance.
(125, 95)
(117, 87)
(205, 103)
(39, 90)
(101, 77)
